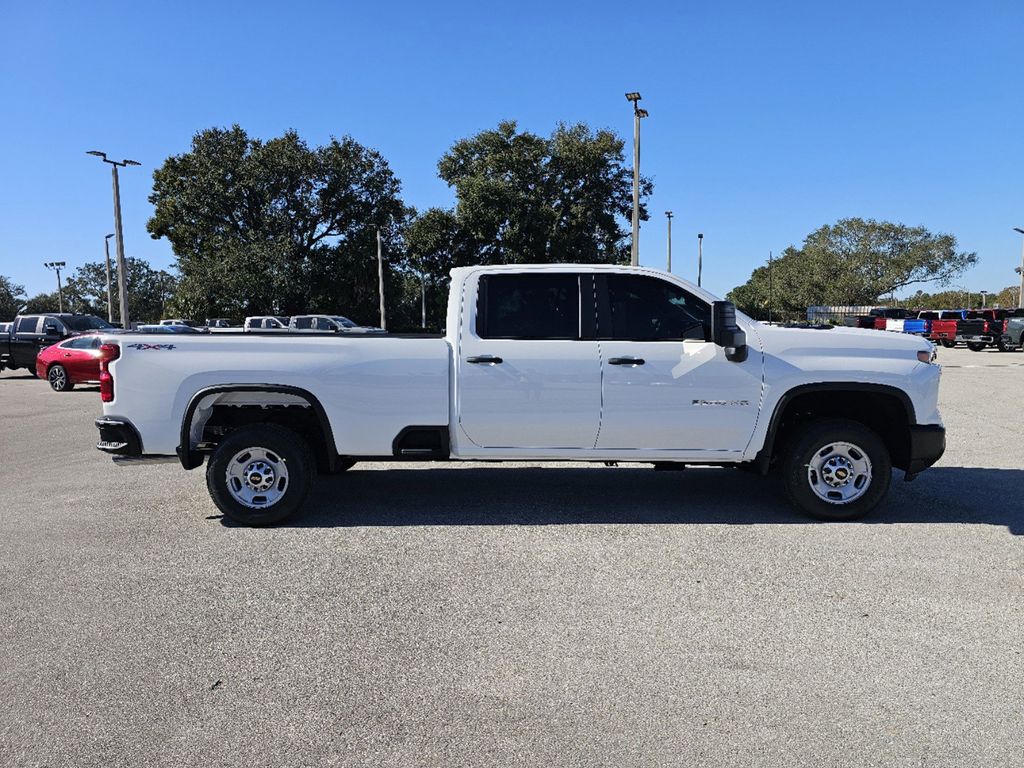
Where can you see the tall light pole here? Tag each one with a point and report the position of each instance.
(700, 256)
(1020, 269)
(770, 265)
(668, 215)
(634, 254)
(380, 280)
(110, 297)
(121, 270)
(984, 294)
(57, 266)
(423, 299)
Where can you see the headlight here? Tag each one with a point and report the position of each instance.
(927, 355)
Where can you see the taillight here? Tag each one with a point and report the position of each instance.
(108, 352)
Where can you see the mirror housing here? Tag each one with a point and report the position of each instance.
(50, 332)
(726, 333)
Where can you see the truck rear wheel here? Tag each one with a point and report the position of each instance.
(836, 469)
(260, 474)
(976, 346)
(948, 344)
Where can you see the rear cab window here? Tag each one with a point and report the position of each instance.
(529, 306)
(27, 325)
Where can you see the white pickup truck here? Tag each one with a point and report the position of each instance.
(539, 363)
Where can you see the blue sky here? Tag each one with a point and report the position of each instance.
(767, 119)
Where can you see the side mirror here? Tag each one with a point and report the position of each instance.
(726, 333)
(51, 333)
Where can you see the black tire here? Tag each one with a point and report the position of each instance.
(976, 346)
(1002, 346)
(947, 343)
(807, 445)
(58, 377)
(278, 444)
(31, 371)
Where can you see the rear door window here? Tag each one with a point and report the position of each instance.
(529, 306)
(27, 325)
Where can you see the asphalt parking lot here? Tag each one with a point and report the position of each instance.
(482, 615)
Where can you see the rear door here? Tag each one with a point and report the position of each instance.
(666, 386)
(25, 341)
(527, 375)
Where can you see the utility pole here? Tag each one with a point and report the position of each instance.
(770, 265)
(984, 296)
(122, 280)
(634, 97)
(110, 296)
(700, 256)
(57, 266)
(668, 215)
(1020, 269)
(423, 299)
(380, 280)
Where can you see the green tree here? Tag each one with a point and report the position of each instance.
(148, 289)
(41, 302)
(274, 226)
(852, 262)
(12, 298)
(525, 198)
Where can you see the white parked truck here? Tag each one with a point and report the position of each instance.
(539, 363)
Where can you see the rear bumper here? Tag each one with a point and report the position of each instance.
(927, 444)
(118, 437)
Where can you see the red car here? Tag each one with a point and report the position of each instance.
(69, 362)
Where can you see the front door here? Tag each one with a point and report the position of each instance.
(525, 376)
(665, 384)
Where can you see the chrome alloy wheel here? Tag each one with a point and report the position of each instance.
(257, 478)
(839, 473)
(58, 377)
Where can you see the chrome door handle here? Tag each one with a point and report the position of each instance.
(490, 359)
(626, 361)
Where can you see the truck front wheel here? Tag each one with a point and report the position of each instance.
(260, 474)
(836, 469)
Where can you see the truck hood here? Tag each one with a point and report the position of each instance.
(840, 340)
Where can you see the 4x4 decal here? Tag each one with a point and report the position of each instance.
(140, 345)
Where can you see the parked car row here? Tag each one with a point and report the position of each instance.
(306, 324)
(977, 328)
(64, 348)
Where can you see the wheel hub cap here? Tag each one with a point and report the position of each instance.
(839, 473)
(257, 477)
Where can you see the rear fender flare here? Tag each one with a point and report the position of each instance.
(190, 458)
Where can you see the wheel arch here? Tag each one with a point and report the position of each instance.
(191, 458)
(885, 409)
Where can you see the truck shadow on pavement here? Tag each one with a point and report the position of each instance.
(607, 495)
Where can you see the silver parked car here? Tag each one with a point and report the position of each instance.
(329, 324)
(265, 323)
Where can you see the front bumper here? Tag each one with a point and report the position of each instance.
(118, 437)
(927, 444)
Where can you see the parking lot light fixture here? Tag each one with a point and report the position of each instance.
(57, 266)
(122, 279)
(668, 215)
(634, 252)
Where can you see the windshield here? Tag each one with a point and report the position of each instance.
(85, 323)
(344, 321)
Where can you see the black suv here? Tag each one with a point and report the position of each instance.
(30, 333)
